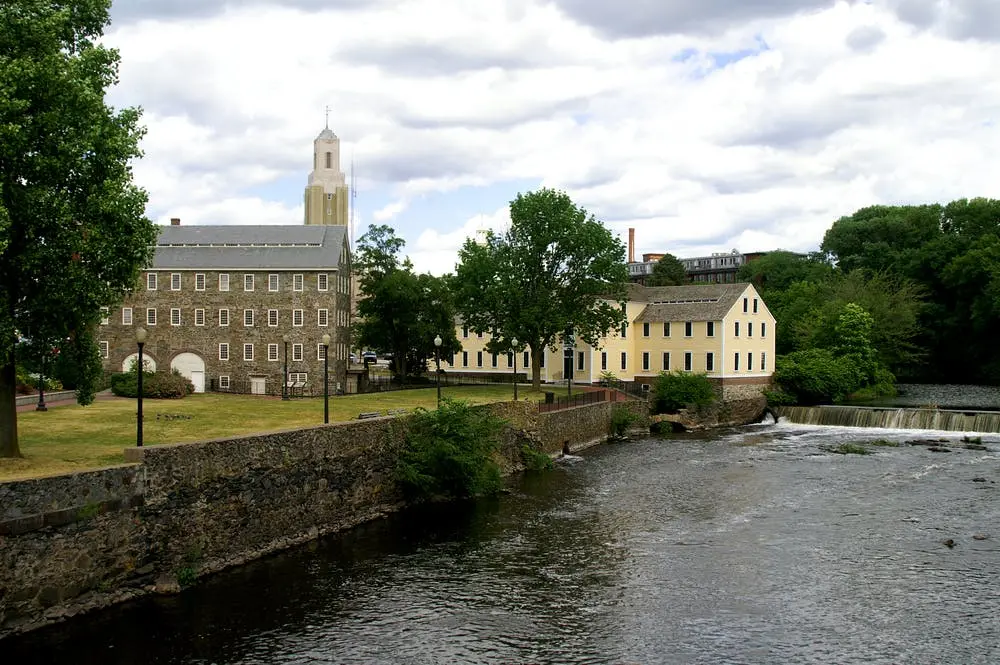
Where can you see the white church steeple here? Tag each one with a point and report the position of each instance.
(326, 195)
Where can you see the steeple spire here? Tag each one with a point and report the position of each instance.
(327, 123)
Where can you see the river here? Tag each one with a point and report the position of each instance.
(750, 545)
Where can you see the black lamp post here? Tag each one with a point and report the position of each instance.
(513, 344)
(437, 362)
(284, 379)
(140, 339)
(326, 378)
(41, 384)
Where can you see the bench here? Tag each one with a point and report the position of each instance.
(366, 416)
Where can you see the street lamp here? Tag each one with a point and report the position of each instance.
(41, 383)
(140, 339)
(326, 378)
(284, 379)
(437, 362)
(513, 345)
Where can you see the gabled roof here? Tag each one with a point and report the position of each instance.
(235, 247)
(695, 302)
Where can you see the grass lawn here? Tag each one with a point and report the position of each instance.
(75, 438)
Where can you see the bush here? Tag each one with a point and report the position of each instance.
(779, 397)
(674, 391)
(814, 376)
(622, 420)
(535, 460)
(449, 453)
(155, 385)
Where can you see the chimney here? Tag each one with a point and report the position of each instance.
(631, 245)
(175, 221)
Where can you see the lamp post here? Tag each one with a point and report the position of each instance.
(437, 362)
(284, 378)
(326, 378)
(513, 344)
(140, 340)
(41, 385)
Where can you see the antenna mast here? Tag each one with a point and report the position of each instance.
(354, 195)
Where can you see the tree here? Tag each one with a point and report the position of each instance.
(668, 271)
(73, 231)
(401, 312)
(777, 271)
(556, 271)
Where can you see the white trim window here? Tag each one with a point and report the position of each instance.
(105, 316)
(710, 328)
(624, 359)
(224, 382)
(297, 282)
(322, 282)
(248, 352)
(150, 316)
(223, 350)
(175, 281)
(320, 352)
(248, 318)
(709, 362)
(223, 317)
(175, 316)
(689, 329)
(199, 281)
(645, 361)
(272, 318)
(763, 361)
(297, 353)
(126, 316)
(105, 349)
(224, 281)
(248, 282)
(199, 317)
(298, 377)
(323, 317)
(666, 361)
(150, 281)
(297, 318)
(272, 353)
(273, 282)
(688, 361)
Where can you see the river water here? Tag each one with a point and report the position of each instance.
(751, 545)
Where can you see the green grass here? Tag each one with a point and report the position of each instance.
(75, 438)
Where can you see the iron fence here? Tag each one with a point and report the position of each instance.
(579, 399)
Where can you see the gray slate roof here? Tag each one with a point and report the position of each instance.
(696, 302)
(235, 247)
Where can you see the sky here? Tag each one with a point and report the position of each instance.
(707, 126)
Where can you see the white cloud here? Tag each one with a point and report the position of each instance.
(435, 252)
(851, 104)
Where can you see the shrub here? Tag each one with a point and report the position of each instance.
(677, 390)
(449, 453)
(622, 420)
(155, 385)
(779, 397)
(535, 460)
(817, 375)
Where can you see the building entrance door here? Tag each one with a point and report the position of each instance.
(258, 385)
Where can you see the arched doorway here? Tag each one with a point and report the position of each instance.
(131, 360)
(192, 367)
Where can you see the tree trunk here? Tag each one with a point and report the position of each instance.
(8, 407)
(536, 369)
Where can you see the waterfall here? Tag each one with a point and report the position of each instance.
(892, 418)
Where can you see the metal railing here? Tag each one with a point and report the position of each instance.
(579, 399)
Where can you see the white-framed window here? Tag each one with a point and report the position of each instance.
(298, 377)
(224, 382)
(666, 328)
(297, 353)
(465, 332)
(763, 361)
(224, 317)
(105, 316)
(580, 360)
(272, 318)
(624, 360)
(493, 360)
(645, 329)
(272, 353)
(104, 349)
(666, 361)
(223, 351)
(688, 329)
(248, 352)
(248, 282)
(624, 330)
(151, 281)
(224, 281)
(323, 317)
(465, 358)
(688, 361)
(322, 282)
(749, 362)
(273, 282)
(248, 318)
(645, 361)
(763, 329)
(126, 316)
(175, 316)
(736, 328)
(754, 305)
(526, 360)
(199, 281)
(604, 360)
(710, 329)
(479, 358)
(199, 317)
(744, 305)
(297, 317)
(175, 281)
(736, 361)
(709, 362)
(297, 282)
(749, 328)
(320, 352)
(150, 316)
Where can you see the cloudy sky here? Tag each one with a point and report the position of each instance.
(705, 124)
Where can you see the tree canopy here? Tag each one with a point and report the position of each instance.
(402, 312)
(668, 271)
(73, 230)
(556, 270)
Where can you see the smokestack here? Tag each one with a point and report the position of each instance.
(175, 221)
(631, 245)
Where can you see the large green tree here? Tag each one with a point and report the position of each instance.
(668, 271)
(555, 270)
(401, 311)
(73, 230)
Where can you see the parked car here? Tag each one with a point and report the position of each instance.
(353, 358)
(369, 357)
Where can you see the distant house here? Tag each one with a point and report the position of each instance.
(722, 330)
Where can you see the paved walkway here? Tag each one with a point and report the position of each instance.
(63, 399)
